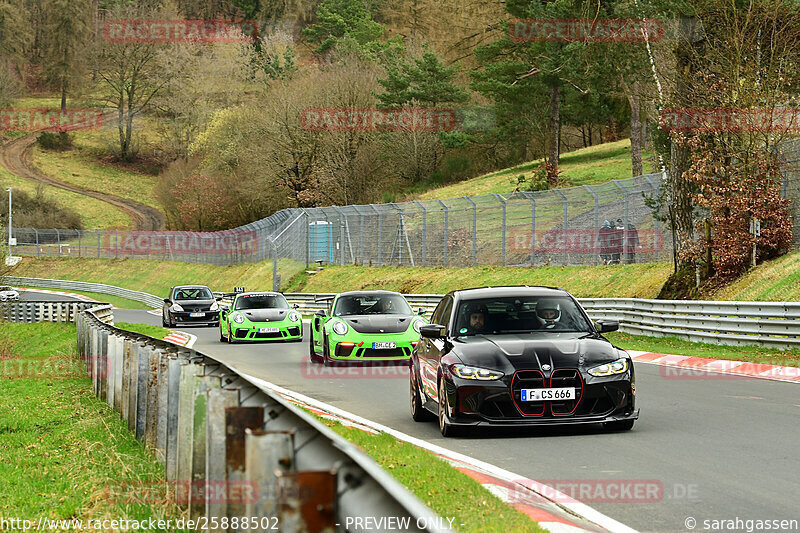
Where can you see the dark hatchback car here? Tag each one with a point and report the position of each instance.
(519, 356)
(190, 304)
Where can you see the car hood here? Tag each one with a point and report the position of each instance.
(199, 305)
(532, 351)
(265, 315)
(378, 323)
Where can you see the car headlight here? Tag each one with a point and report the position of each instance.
(214, 307)
(474, 372)
(340, 328)
(238, 318)
(418, 324)
(619, 366)
(176, 308)
(294, 316)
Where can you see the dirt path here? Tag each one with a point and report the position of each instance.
(16, 157)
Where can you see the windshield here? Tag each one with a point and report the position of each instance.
(520, 314)
(382, 304)
(261, 301)
(200, 293)
(6, 289)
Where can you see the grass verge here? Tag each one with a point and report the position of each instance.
(157, 332)
(676, 346)
(155, 277)
(61, 449)
(588, 166)
(447, 491)
(621, 281)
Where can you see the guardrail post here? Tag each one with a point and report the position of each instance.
(185, 446)
(266, 452)
(151, 420)
(216, 472)
(237, 420)
(203, 384)
(102, 366)
(119, 372)
(111, 365)
(142, 382)
(175, 370)
(162, 406)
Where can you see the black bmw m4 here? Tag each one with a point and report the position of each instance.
(519, 356)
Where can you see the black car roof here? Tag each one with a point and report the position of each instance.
(190, 287)
(260, 293)
(507, 291)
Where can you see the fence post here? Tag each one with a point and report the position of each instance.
(58, 236)
(596, 223)
(380, 230)
(98, 241)
(424, 232)
(446, 213)
(564, 228)
(624, 255)
(655, 220)
(38, 250)
(503, 231)
(79, 242)
(474, 230)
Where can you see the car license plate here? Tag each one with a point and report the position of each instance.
(195, 315)
(383, 345)
(541, 395)
(268, 330)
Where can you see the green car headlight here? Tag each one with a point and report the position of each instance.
(340, 328)
(238, 318)
(294, 316)
(418, 324)
(474, 372)
(619, 366)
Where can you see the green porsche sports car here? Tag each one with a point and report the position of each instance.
(365, 326)
(256, 316)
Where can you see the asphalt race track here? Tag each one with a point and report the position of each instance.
(720, 447)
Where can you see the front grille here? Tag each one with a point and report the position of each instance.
(240, 333)
(566, 377)
(527, 379)
(392, 352)
(275, 335)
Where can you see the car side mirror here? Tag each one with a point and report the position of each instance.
(320, 313)
(421, 311)
(433, 331)
(605, 325)
(218, 298)
(167, 301)
(295, 306)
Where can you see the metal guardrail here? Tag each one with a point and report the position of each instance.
(218, 433)
(45, 311)
(774, 324)
(100, 288)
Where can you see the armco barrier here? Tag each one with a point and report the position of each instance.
(218, 434)
(100, 288)
(774, 324)
(45, 311)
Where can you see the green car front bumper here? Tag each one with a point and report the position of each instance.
(354, 346)
(262, 331)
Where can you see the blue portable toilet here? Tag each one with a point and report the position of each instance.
(320, 237)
